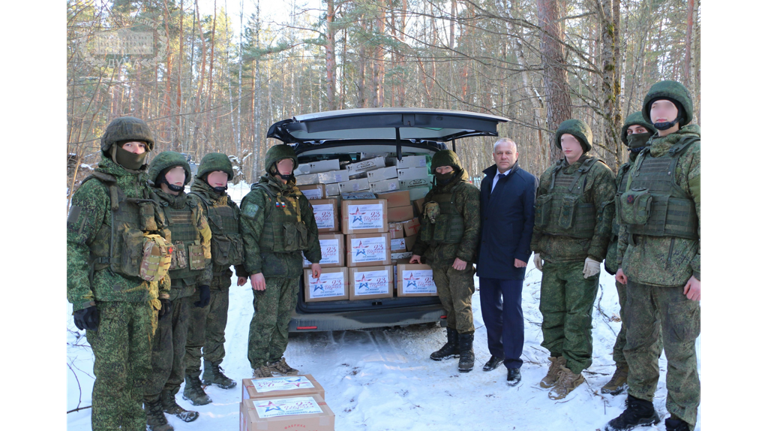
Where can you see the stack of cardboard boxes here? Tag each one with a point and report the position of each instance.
(367, 216)
(280, 403)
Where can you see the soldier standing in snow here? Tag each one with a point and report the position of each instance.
(659, 259)
(116, 297)
(277, 224)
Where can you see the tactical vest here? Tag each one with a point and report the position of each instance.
(131, 245)
(564, 210)
(188, 258)
(653, 203)
(449, 224)
(622, 175)
(284, 231)
(226, 241)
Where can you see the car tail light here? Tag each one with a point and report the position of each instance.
(306, 327)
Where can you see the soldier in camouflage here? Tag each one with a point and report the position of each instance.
(277, 224)
(572, 228)
(659, 259)
(206, 328)
(190, 274)
(111, 218)
(634, 134)
(448, 239)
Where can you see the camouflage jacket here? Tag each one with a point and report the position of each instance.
(611, 260)
(279, 265)
(667, 261)
(212, 198)
(600, 190)
(89, 213)
(184, 288)
(468, 205)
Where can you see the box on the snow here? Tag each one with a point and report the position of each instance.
(303, 412)
(274, 387)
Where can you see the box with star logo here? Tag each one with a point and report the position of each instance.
(371, 282)
(332, 250)
(273, 387)
(415, 280)
(368, 249)
(305, 412)
(331, 286)
(364, 216)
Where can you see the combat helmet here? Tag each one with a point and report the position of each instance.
(579, 130)
(674, 92)
(124, 129)
(215, 162)
(165, 161)
(277, 153)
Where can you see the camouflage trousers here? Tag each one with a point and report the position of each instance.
(168, 348)
(206, 331)
(621, 338)
(272, 308)
(566, 306)
(651, 310)
(455, 289)
(121, 350)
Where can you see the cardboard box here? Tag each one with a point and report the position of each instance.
(385, 186)
(365, 155)
(396, 199)
(357, 195)
(400, 258)
(368, 249)
(333, 176)
(366, 165)
(400, 213)
(303, 412)
(354, 185)
(417, 192)
(331, 286)
(419, 204)
(412, 174)
(326, 214)
(415, 280)
(275, 387)
(305, 180)
(332, 190)
(410, 241)
(411, 227)
(371, 282)
(397, 245)
(302, 169)
(410, 184)
(382, 174)
(333, 251)
(313, 191)
(412, 162)
(396, 230)
(364, 216)
(324, 166)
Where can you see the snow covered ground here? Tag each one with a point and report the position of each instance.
(384, 379)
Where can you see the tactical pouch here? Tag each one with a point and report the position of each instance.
(448, 229)
(542, 210)
(156, 258)
(226, 250)
(196, 257)
(179, 256)
(147, 216)
(635, 206)
(567, 212)
(296, 237)
(132, 251)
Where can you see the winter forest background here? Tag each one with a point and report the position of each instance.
(234, 67)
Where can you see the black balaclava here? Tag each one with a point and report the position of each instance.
(127, 159)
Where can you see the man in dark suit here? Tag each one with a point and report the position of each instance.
(507, 197)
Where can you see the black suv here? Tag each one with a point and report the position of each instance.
(344, 135)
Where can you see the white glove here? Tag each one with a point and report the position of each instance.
(537, 261)
(591, 267)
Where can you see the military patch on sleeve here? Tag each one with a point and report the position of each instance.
(74, 221)
(250, 210)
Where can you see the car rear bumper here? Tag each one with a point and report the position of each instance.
(315, 322)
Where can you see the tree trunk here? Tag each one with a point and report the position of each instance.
(378, 65)
(610, 83)
(330, 57)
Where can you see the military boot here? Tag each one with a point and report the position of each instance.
(282, 368)
(450, 349)
(674, 423)
(261, 372)
(566, 382)
(193, 391)
(156, 420)
(554, 368)
(618, 382)
(212, 375)
(466, 352)
(638, 413)
(168, 402)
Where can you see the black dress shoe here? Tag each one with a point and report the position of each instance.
(493, 363)
(513, 376)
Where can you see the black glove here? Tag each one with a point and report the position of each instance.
(205, 296)
(87, 318)
(166, 307)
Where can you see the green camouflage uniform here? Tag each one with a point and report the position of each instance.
(276, 252)
(190, 234)
(127, 305)
(658, 266)
(207, 325)
(455, 234)
(565, 233)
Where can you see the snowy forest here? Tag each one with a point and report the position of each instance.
(216, 81)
